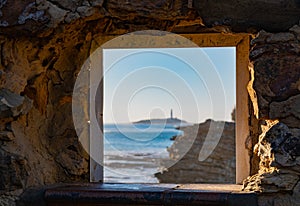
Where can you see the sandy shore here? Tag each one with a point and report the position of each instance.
(132, 168)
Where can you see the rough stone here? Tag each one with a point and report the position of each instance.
(13, 171)
(24, 108)
(278, 149)
(282, 199)
(71, 17)
(6, 136)
(96, 2)
(10, 99)
(19, 63)
(260, 38)
(13, 104)
(44, 43)
(39, 145)
(67, 5)
(73, 163)
(276, 76)
(287, 111)
(31, 13)
(296, 30)
(85, 11)
(280, 37)
(56, 14)
(36, 17)
(219, 167)
(10, 198)
(272, 182)
(268, 15)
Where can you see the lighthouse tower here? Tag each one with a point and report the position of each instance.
(171, 114)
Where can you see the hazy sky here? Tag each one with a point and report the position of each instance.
(197, 83)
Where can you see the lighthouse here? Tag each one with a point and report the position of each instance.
(171, 114)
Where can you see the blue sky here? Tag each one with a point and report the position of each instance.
(197, 83)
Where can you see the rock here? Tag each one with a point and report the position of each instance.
(73, 162)
(280, 37)
(85, 11)
(6, 136)
(270, 182)
(44, 43)
(279, 166)
(71, 17)
(18, 15)
(270, 16)
(13, 171)
(13, 104)
(10, 99)
(260, 51)
(41, 16)
(219, 167)
(20, 63)
(24, 108)
(56, 14)
(10, 198)
(261, 37)
(275, 182)
(276, 76)
(96, 2)
(39, 145)
(282, 199)
(67, 5)
(31, 13)
(288, 112)
(296, 30)
(296, 192)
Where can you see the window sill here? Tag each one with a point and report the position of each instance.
(149, 194)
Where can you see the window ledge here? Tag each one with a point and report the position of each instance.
(149, 194)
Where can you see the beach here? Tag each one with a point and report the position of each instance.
(132, 168)
(134, 154)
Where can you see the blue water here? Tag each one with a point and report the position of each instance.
(138, 138)
(132, 153)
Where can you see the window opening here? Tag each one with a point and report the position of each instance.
(154, 101)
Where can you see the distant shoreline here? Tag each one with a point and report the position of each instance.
(170, 121)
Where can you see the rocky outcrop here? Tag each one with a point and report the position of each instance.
(219, 167)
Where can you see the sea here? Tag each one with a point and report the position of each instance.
(133, 152)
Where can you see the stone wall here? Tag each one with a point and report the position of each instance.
(38, 143)
(275, 93)
(44, 43)
(43, 17)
